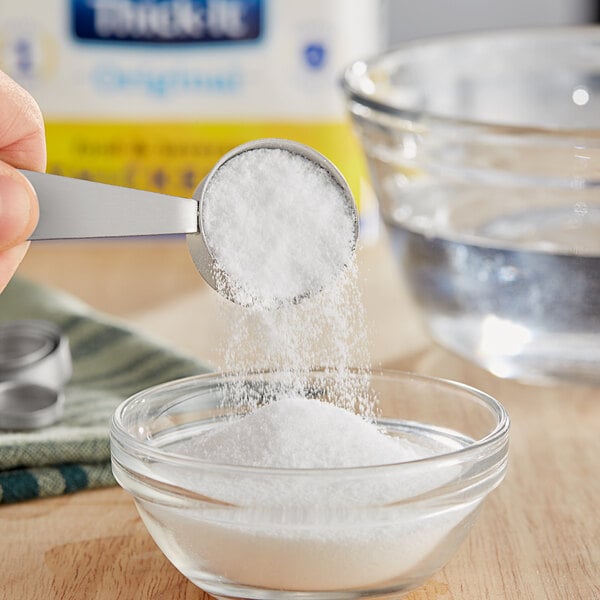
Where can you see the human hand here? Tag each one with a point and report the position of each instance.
(22, 146)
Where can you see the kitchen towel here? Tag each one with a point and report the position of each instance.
(110, 362)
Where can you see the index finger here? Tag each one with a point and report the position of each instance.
(22, 140)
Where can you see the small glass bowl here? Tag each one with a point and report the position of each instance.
(248, 532)
(484, 153)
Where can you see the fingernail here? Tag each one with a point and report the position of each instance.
(15, 210)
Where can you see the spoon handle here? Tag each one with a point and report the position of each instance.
(75, 208)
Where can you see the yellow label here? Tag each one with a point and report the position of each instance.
(172, 158)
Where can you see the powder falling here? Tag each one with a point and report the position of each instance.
(280, 226)
(326, 330)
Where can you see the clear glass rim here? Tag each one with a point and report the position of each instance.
(353, 94)
(492, 441)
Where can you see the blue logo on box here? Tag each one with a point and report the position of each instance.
(314, 55)
(167, 21)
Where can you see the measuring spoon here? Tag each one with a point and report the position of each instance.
(74, 208)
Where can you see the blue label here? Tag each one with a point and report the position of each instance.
(166, 21)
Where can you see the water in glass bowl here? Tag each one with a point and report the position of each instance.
(519, 294)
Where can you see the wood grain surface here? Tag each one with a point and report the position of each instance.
(538, 536)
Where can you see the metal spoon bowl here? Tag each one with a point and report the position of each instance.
(202, 255)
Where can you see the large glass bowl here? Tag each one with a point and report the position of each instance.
(484, 152)
(248, 532)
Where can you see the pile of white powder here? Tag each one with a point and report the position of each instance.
(302, 433)
(303, 530)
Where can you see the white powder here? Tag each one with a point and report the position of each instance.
(302, 433)
(280, 229)
(297, 530)
(278, 226)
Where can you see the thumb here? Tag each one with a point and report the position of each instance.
(18, 207)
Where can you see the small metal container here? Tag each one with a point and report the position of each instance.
(28, 405)
(35, 364)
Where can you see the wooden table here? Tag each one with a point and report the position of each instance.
(538, 536)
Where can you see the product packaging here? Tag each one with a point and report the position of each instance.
(151, 93)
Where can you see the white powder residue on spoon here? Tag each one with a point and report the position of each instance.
(278, 225)
(302, 433)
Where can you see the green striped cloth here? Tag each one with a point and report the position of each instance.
(110, 362)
